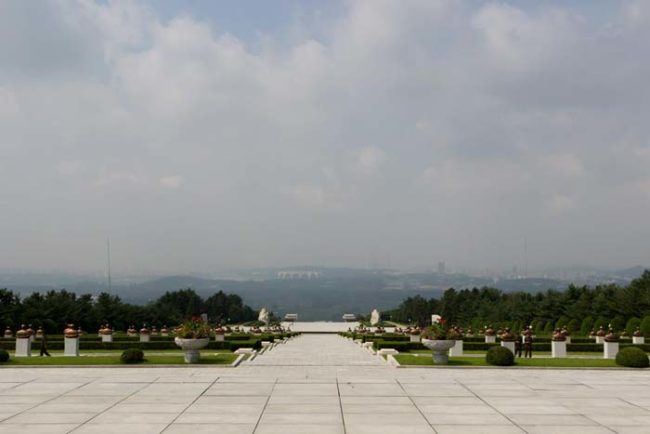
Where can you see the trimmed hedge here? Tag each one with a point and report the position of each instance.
(398, 345)
(132, 356)
(500, 356)
(4, 356)
(632, 357)
(255, 343)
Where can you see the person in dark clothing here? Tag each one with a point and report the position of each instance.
(528, 344)
(44, 346)
(519, 344)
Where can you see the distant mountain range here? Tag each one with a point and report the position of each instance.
(328, 297)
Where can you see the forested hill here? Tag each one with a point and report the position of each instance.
(583, 307)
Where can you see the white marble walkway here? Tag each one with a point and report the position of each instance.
(359, 397)
(318, 350)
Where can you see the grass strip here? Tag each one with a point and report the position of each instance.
(415, 360)
(171, 359)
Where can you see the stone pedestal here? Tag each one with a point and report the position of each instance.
(219, 337)
(600, 339)
(107, 338)
(71, 347)
(558, 349)
(509, 345)
(639, 340)
(456, 350)
(23, 347)
(145, 338)
(568, 339)
(415, 338)
(610, 350)
(490, 339)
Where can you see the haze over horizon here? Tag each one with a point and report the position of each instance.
(210, 135)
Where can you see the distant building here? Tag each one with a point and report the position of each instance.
(298, 275)
(349, 317)
(291, 317)
(441, 267)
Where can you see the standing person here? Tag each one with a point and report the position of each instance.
(519, 343)
(528, 344)
(44, 345)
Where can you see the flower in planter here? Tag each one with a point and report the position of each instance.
(439, 330)
(195, 328)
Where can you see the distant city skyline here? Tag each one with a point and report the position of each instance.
(202, 136)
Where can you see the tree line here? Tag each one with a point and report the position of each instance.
(581, 308)
(53, 309)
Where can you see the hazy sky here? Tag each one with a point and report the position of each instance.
(200, 135)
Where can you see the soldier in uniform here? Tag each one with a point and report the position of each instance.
(528, 343)
(44, 346)
(519, 343)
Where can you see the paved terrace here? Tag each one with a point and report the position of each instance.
(322, 384)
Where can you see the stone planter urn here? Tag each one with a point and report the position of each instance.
(71, 341)
(508, 340)
(490, 336)
(610, 345)
(440, 349)
(145, 334)
(106, 333)
(23, 343)
(558, 344)
(637, 337)
(191, 348)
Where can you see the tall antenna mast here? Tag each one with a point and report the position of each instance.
(108, 264)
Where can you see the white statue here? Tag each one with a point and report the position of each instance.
(264, 316)
(374, 317)
(435, 319)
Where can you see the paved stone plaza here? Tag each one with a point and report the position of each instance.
(322, 384)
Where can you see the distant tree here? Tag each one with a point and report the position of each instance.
(586, 326)
(618, 323)
(573, 326)
(562, 322)
(548, 328)
(645, 326)
(632, 324)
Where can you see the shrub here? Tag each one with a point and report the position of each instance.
(632, 357)
(4, 356)
(132, 355)
(500, 356)
(645, 326)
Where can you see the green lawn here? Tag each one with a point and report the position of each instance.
(90, 360)
(422, 360)
(535, 353)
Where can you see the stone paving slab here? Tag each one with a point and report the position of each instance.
(322, 384)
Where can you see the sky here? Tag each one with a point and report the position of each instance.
(202, 135)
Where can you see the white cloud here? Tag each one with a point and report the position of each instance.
(559, 204)
(370, 159)
(171, 182)
(443, 127)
